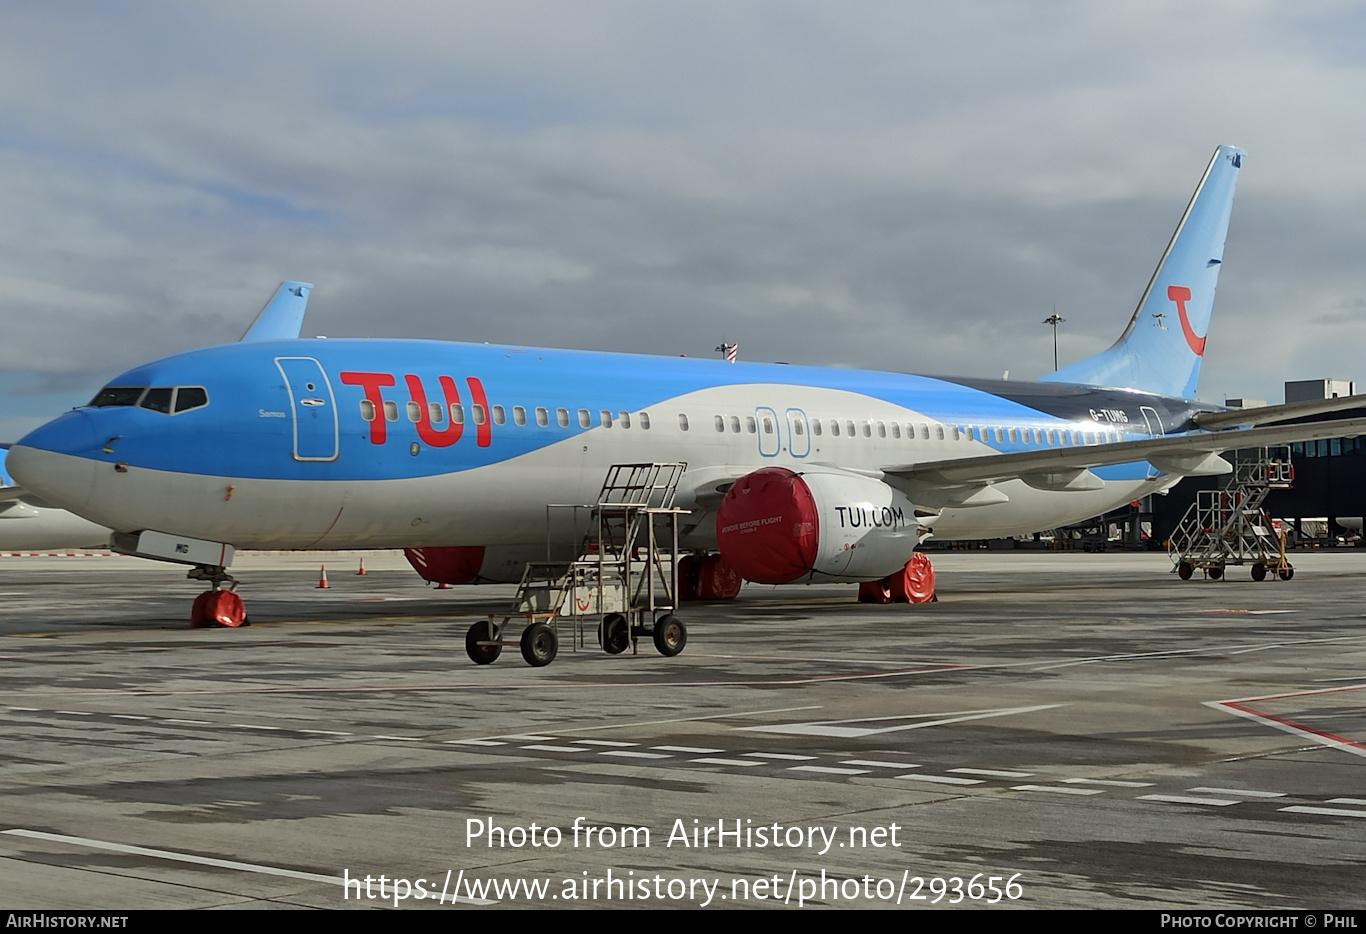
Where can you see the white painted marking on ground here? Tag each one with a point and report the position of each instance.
(252, 726)
(882, 764)
(529, 737)
(1335, 812)
(545, 747)
(944, 779)
(74, 713)
(838, 729)
(1059, 789)
(604, 742)
(190, 722)
(197, 860)
(825, 769)
(1347, 800)
(178, 857)
(1113, 782)
(779, 755)
(1237, 792)
(715, 761)
(1188, 799)
(409, 739)
(632, 754)
(128, 716)
(993, 773)
(1236, 707)
(695, 750)
(326, 732)
(474, 742)
(29, 709)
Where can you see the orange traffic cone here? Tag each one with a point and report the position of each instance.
(322, 581)
(362, 568)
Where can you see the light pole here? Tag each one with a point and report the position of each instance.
(1055, 319)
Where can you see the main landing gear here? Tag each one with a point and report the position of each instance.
(219, 606)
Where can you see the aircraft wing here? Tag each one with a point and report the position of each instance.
(1192, 454)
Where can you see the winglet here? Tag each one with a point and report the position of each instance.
(283, 315)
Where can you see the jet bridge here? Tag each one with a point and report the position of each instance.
(624, 576)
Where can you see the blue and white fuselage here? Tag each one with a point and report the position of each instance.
(362, 443)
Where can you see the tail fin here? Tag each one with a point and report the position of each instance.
(1161, 349)
(283, 315)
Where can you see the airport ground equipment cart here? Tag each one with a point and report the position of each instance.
(1228, 526)
(623, 579)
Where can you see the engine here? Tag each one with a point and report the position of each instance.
(776, 526)
(472, 564)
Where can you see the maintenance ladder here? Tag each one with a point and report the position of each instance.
(1228, 525)
(624, 574)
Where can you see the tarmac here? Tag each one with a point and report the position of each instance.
(1060, 730)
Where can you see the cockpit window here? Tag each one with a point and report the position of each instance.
(158, 400)
(118, 395)
(190, 397)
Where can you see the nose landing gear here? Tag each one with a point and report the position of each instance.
(219, 606)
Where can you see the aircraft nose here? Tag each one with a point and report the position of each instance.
(56, 461)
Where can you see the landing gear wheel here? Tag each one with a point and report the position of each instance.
(614, 634)
(1286, 573)
(1185, 570)
(539, 645)
(670, 635)
(1259, 571)
(1216, 572)
(483, 654)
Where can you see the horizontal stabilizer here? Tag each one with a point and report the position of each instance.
(283, 316)
(1179, 454)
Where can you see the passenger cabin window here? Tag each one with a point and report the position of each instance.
(435, 413)
(414, 412)
(645, 421)
(367, 410)
(834, 428)
(896, 430)
(882, 429)
(542, 416)
(735, 424)
(849, 426)
(476, 410)
(562, 417)
(391, 411)
(939, 431)
(457, 413)
(768, 425)
(720, 423)
(518, 415)
(585, 420)
(498, 416)
(816, 427)
(751, 425)
(606, 418)
(682, 422)
(625, 419)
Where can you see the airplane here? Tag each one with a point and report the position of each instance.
(794, 473)
(28, 523)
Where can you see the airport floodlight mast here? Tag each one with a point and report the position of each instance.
(1055, 319)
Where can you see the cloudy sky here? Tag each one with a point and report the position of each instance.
(907, 186)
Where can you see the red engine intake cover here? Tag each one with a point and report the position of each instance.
(453, 564)
(767, 527)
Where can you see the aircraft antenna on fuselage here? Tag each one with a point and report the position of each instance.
(283, 316)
